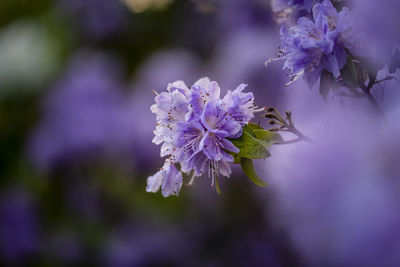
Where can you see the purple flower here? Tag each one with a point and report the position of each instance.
(85, 115)
(170, 108)
(314, 46)
(168, 178)
(193, 126)
(240, 104)
(378, 29)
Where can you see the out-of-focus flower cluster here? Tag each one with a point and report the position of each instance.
(339, 196)
(340, 44)
(85, 115)
(96, 19)
(193, 126)
(317, 45)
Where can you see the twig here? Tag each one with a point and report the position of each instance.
(286, 125)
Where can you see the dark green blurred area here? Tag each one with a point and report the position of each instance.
(95, 211)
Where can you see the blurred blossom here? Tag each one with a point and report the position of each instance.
(338, 198)
(96, 18)
(85, 114)
(139, 6)
(28, 56)
(311, 47)
(130, 246)
(378, 27)
(231, 66)
(234, 15)
(19, 229)
(155, 74)
(259, 251)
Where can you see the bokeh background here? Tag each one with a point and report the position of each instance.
(76, 81)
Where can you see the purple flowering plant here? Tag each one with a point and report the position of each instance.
(330, 47)
(201, 133)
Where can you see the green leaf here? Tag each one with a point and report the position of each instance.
(268, 138)
(325, 84)
(254, 143)
(250, 147)
(248, 169)
(253, 126)
(349, 74)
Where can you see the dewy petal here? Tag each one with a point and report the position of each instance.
(172, 182)
(213, 147)
(240, 105)
(231, 127)
(210, 147)
(196, 106)
(202, 82)
(180, 102)
(178, 85)
(154, 182)
(166, 149)
(210, 87)
(198, 162)
(224, 168)
(210, 116)
(214, 90)
(227, 145)
(168, 178)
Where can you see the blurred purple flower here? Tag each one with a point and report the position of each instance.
(84, 115)
(377, 28)
(19, 229)
(314, 46)
(254, 249)
(130, 246)
(234, 15)
(337, 198)
(98, 18)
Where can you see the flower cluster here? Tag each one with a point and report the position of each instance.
(194, 126)
(313, 46)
